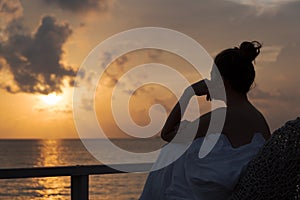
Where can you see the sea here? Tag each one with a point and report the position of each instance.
(67, 152)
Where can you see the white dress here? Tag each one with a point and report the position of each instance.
(210, 178)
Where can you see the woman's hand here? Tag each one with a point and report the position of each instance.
(200, 88)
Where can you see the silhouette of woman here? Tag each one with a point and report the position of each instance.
(245, 131)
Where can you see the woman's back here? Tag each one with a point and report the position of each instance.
(242, 122)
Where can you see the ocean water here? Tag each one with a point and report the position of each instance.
(38, 153)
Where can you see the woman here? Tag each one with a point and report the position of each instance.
(245, 131)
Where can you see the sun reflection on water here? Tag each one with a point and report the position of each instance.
(49, 153)
(41, 153)
(51, 187)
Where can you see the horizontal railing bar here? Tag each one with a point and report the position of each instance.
(77, 170)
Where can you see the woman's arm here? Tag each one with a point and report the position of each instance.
(172, 124)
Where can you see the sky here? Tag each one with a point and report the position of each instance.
(44, 42)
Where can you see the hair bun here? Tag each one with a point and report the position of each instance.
(250, 50)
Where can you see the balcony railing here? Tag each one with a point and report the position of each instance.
(79, 174)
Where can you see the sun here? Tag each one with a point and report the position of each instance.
(51, 99)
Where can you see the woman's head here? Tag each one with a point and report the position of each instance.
(236, 65)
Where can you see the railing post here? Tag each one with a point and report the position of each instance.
(80, 187)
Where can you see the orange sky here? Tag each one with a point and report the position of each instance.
(43, 44)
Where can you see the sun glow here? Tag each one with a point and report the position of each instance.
(51, 99)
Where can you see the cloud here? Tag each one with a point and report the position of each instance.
(278, 106)
(55, 109)
(81, 6)
(10, 9)
(34, 59)
(264, 5)
(259, 94)
(278, 95)
(152, 93)
(113, 72)
(270, 53)
(87, 104)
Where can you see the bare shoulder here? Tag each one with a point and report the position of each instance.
(262, 124)
(236, 121)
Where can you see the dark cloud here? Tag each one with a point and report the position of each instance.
(80, 5)
(114, 71)
(258, 94)
(152, 94)
(62, 109)
(9, 10)
(154, 54)
(267, 96)
(35, 59)
(219, 23)
(9, 7)
(87, 104)
(121, 60)
(278, 105)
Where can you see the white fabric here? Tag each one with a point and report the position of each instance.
(192, 178)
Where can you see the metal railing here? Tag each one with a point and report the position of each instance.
(79, 174)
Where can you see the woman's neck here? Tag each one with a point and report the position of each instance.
(234, 98)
